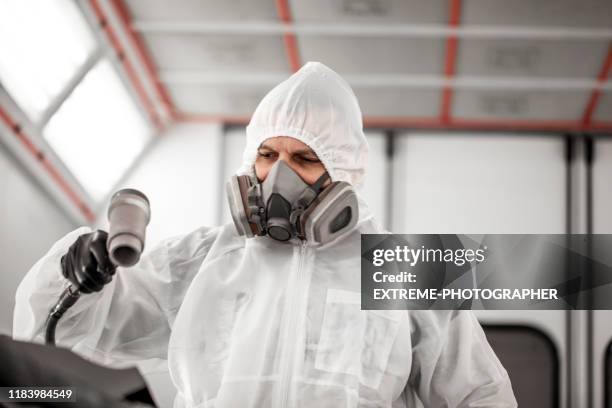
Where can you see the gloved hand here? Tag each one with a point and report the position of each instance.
(87, 263)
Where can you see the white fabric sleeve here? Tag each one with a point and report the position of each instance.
(40, 289)
(129, 321)
(453, 364)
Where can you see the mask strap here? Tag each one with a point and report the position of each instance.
(311, 192)
(318, 185)
(307, 197)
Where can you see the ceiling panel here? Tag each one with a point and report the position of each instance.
(217, 99)
(375, 55)
(604, 109)
(242, 100)
(370, 11)
(228, 74)
(218, 53)
(524, 104)
(535, 58)
(203, 10)
(398, 101)
(538, 13)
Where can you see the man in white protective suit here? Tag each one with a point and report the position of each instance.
(265, 311)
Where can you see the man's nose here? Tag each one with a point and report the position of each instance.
(286, 157)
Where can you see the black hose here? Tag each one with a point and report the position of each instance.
(65, 302)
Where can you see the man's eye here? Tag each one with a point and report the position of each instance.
(267, 155)
(310, 159)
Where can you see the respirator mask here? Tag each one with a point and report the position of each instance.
(283, 206)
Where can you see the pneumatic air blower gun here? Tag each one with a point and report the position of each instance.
(128, 216)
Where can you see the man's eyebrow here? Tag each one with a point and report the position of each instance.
(305, 152)
(264, 146)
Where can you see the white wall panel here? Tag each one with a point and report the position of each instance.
(233, 146)
(181, 177)
(376, 183)
(602, 224)
(484, 184)
(459, 183)
(30, 222)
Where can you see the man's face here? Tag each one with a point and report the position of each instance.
(296, 154)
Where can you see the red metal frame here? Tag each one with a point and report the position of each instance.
(129, 69)
(596, 94)
(49, 168)
(432, 123)
(145, 57)
(183, 117)
(490, 125)
(451, 60)
(291, 48)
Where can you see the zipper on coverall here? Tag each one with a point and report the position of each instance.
(292, 309)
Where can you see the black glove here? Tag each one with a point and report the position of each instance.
(87, 264)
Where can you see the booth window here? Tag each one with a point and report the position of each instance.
(61, 77)
(98, 131)
(43, 44)
(532, 361)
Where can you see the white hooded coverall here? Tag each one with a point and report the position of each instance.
(258, 323)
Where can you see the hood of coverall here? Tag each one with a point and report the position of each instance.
(317, 107)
